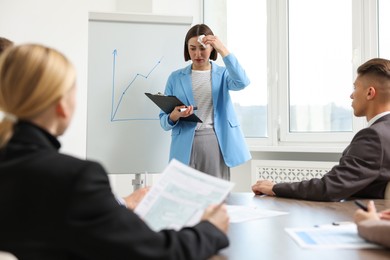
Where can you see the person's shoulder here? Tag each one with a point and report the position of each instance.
(182, 71)
(379, 127)
(71, 164)
(382, 120)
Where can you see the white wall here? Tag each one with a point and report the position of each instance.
(63, 25)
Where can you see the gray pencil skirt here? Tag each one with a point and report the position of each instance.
(206, 155)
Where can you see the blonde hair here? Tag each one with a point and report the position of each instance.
(32, 77)
(5, 43)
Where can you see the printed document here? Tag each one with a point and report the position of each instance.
(239, 213)
(180, 196)
(330, 237)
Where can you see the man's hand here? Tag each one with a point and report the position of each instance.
(361, 215)
(263, 187)
(134, 198)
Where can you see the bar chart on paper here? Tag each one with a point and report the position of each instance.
(129, 55)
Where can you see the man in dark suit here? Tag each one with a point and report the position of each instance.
(55, 206)
(364, 168)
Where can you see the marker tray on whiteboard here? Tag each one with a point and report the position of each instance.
(168, 103)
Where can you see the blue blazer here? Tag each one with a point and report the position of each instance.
(227, 127)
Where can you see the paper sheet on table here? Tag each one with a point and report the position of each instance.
(330, 237)
(180, 196)
(239, 213)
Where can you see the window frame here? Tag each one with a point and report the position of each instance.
(364, 46)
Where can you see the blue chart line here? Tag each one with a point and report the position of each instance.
(114, 109)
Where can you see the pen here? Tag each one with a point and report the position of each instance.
(361, 205)
(184, 109)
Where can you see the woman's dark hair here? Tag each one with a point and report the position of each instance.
(195, 31)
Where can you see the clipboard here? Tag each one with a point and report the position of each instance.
(168, 103)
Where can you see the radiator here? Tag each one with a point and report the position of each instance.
(288, 171)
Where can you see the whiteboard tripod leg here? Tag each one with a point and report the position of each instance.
(137, 182)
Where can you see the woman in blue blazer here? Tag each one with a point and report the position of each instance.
(217, 143)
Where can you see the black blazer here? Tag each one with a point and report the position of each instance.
(55, 206)
(363, 170)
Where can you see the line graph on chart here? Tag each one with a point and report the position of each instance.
(127, 96)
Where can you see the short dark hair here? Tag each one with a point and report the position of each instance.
(377, 67)
(194, 31)
(5, 43)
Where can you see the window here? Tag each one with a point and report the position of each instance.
(320, 75)
(250, 48)
(301, 56)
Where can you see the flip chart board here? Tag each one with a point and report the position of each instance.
(128, 55)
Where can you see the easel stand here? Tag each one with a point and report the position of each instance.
(138, 182)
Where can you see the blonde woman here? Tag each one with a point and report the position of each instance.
(55, 206)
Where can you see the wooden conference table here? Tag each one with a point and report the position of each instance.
(266, 239)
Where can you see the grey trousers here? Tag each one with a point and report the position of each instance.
(206, 155)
